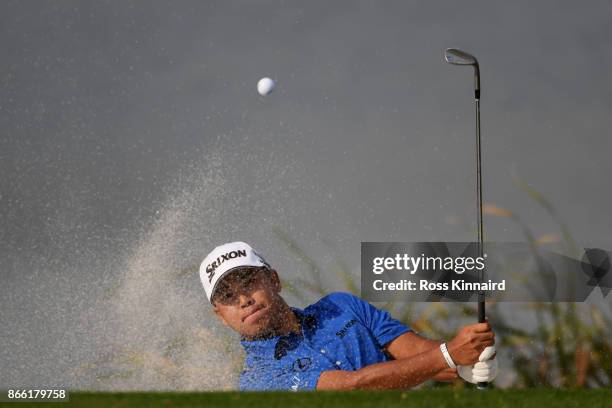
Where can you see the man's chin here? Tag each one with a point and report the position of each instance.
(259, 329)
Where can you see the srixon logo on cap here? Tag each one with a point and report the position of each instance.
(210, 268)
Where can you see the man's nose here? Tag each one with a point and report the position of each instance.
(245, 299)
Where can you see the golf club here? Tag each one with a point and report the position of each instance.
(457, 57)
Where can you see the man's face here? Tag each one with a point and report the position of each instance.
(247, 301)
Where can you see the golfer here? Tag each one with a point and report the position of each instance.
(338, 343)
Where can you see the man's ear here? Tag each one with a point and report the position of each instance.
(219, 315)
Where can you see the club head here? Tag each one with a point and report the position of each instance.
(458, 57)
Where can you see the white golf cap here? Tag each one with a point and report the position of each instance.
(224, 259)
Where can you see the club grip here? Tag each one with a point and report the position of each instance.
(481, 319)
(481, 312)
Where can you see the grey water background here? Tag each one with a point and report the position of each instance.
(132, 141)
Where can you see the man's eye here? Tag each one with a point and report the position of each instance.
(224, 296)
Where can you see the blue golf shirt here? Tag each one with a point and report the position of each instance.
(339, 332)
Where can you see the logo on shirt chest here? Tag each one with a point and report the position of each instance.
(342, 332)
(302, 364)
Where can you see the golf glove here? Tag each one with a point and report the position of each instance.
(485, 370)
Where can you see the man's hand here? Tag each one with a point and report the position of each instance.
(470, 342)
(446, 375)
(483, 371)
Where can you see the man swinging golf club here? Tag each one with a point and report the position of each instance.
(340, 342)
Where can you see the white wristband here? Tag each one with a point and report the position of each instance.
(447, 356)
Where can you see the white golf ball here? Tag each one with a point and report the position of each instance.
(265, 86)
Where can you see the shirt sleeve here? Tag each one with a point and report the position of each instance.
(380, 322)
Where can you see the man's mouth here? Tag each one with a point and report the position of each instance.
(256, 311)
